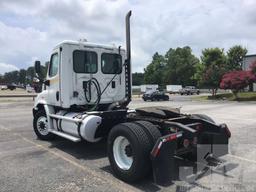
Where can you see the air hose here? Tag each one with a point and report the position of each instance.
(88, 91)
(87, 85)
(87, 88)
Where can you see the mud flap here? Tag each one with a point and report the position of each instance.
(162, 158)
(220, 145)
(215, 143)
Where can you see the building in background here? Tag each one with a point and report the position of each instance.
(247, 61)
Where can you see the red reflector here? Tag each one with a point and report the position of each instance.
(157, 149)
(155, 153)
(171, 137)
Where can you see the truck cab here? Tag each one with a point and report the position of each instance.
(73, 64)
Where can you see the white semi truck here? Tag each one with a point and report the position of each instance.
(85, 97)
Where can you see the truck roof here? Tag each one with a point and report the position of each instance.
(88, 44)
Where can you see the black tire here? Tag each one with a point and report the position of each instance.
(204, 117)
(151, 130)
(140, 146)
(48, 136)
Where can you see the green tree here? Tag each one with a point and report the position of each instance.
(214, 65)
(1, 78)
(30, 74)
(155, 70)
(137, 78)
(22, 76)
(235, 57)
(181, 66)
(12, 77)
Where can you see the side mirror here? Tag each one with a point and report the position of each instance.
(38, 67)
(47, 82)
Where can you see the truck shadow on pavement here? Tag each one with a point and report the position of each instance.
(189, 179)
(81, 150)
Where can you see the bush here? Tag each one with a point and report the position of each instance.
(237, 80)
(253, 68)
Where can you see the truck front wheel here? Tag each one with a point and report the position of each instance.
(40, 125)
(129, 152)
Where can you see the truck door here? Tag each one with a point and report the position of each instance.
(54, 79)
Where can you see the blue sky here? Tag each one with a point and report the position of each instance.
(29, 29)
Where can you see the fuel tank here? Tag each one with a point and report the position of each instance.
(85, 129)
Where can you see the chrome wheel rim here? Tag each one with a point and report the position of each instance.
(42, 125)
(122, 153)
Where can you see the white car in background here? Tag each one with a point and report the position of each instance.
(30, 89)
(189, 90)
(4, 87)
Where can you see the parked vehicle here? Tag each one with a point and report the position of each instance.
(189, 90)
(4, 87)
(86, 95)
(30, 89)
(155, 96)
(11, 87)
(172, 89)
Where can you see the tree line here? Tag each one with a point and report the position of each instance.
(177, 66)
(181, 67)
(22, 76)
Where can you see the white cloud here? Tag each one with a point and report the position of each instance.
(19, 45)
(30, 29)
(4, 67)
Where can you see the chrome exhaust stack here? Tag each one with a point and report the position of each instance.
(128, 59)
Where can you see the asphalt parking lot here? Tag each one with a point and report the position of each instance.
(28, 164)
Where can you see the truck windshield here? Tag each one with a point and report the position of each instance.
(111, 63)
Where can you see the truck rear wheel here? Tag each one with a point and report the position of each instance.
(40, 125)
(151, 130)
(129, 152)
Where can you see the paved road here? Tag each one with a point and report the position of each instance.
(28, 164)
